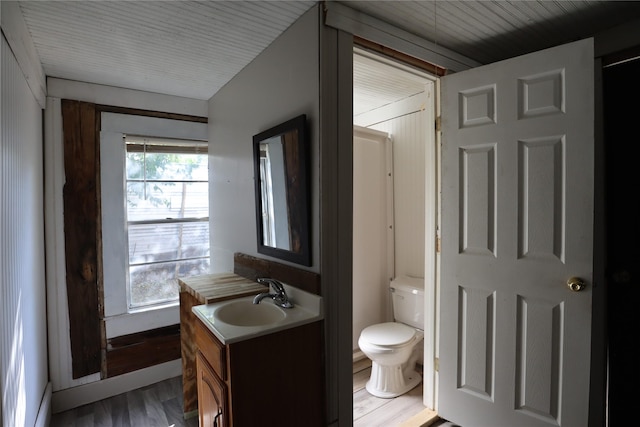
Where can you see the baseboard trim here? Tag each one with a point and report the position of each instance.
(74, 397)
(43, 419)
(422, 419)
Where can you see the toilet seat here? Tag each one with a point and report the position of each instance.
(389, 334)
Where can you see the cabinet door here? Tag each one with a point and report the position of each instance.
(212, 395)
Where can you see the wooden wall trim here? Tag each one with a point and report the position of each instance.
(82, 234)
(399, 56)
(251, 267)
(143, 349)
(188, 352)
(90, 350)
(149, 113)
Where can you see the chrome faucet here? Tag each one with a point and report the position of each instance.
(279, 296)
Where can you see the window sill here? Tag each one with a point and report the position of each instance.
(142, 320)
(154, 307)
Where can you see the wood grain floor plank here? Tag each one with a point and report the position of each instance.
(360, 379)
(161, 404)
(153, 407)
(164, 390)
(85, 420)
(64, 419)
(119, 411)
(175, 416)
(372, 411)
(102, 413)
(135, 404)
(365, 403)
(361, 364)
(393, 412)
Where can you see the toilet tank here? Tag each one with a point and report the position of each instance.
(407, 296)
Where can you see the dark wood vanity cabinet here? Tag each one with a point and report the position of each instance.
(273, 380)
(212, 395)
(197, 290)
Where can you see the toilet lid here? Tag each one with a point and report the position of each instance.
(388, 334)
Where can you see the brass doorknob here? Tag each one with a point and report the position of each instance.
(576, 284)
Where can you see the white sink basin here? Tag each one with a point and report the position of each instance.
(240, 319)
(246, 313)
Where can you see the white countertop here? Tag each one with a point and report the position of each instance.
(307, 309)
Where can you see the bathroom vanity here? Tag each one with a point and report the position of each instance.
(273, 380)
(198, 290)
(260, 365)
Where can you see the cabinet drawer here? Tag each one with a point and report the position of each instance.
(212, 349)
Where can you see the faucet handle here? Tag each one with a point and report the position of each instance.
(280, 297)
(277, 286)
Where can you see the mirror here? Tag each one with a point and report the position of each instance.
(281, 192)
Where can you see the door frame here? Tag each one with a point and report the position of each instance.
(432, 217)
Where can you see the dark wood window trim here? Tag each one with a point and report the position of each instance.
(82, 234)
(131, 352)
(148, 113)
(90, 350)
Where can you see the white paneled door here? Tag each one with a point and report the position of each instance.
(517, 225)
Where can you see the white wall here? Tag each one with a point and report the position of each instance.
(23, 339)
(409, 143)
(278, 85)
(373, 236)
(406, 124)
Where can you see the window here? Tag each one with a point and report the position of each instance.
(268, 230)
(167, 216)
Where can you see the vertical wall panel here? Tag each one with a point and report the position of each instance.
(408, 133)
(371, 205)
(81, 228)
(23, 342)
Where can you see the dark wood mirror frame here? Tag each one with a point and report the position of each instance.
(289, 219)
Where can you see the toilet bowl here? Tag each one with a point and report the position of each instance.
(394, 347)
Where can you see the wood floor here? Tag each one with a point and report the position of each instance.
(160, 405)
(403, 411)
(156, 405)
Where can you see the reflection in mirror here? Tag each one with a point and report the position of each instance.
(273, 191)
(282, 211)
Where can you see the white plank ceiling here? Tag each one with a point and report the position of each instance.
(183, 48)
(192, 49)
(489, 31)
(378, 82)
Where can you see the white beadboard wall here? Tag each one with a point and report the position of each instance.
(405, 122)
(409, 134)
(23, 329)
(372, 228)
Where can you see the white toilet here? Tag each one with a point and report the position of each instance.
(395, 347)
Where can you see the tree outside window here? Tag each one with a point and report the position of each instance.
(167, 207)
